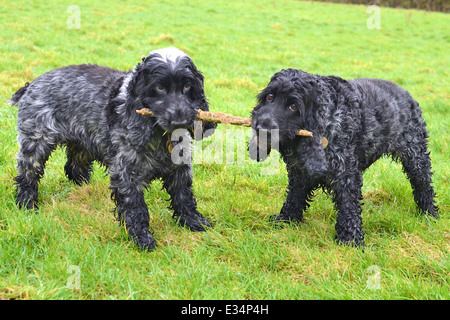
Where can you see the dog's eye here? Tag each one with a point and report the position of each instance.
(293, 107)
(160, 89)
(269, 97)
(186, 87)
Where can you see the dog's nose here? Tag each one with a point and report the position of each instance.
(179, 123)
(265, 124)
(261, 127)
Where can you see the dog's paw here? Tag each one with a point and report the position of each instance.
(143, 239)
(26, 202)
(357, 242)
(194, 222)
(282, 220)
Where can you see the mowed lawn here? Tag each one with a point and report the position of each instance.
(74, 248)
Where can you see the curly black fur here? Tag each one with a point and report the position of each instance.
(92, 111)
(362, 120)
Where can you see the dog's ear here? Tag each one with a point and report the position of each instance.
(140, 80)
(314, 95)
(134, 85)
(314, 157)
(198, 86)
(202, 129)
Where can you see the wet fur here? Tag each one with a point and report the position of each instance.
(362, 120)
(91, 110)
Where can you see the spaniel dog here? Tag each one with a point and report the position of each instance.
(354, 123)
(91, 110)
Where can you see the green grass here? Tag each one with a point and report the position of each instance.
(238, 45)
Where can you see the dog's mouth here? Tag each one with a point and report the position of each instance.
(259, 148)
(169, 125)
(173, 126)
(171, 145)
(178, 140)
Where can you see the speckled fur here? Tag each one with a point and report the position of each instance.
(362, 119)
(92, 111)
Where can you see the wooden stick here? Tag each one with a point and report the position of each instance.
(220, 117)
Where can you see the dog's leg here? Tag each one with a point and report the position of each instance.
(78, 167)
(417, 165)
(30, 167)
(131, 209)
(298, 194)
(178, 184)
(347, 196)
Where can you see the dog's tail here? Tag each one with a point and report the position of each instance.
(19, 93)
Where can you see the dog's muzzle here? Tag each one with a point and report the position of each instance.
(182, 118)
(262, 143)
(179, 124)
(265, 137)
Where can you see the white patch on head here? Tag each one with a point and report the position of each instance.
(170, 54)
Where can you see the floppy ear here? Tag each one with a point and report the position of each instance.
(138, 90)
(202, 129)
(314, 156)
(140, 81)
(315, 96)
(140, 128)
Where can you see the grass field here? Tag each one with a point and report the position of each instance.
(74, 249)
